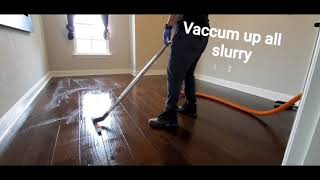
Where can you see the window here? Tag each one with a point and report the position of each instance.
(89, 36)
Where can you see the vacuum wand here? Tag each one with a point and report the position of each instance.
(132, 84)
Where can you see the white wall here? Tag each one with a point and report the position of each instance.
(313, 157)
(148, 41)
(23, 62)
(303, 146)
(280, 69)
(60, 49)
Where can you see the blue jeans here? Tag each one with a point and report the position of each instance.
(185, 52)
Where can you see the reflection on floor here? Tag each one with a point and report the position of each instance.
(58, 128)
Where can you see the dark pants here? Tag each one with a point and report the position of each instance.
(186, 50)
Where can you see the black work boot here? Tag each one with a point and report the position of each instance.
(189, 109)
(167, 119)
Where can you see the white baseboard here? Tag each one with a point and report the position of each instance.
(152, 72)
(11, 118)
(264, 93)
(89, 72)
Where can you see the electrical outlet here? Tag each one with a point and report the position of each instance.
(229, 69)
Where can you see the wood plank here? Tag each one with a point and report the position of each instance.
(204, 156)
(226, 142)
(92, 149)
(201, 155)
(142, 150)
(67, 145)
(158, 139)
(53, 134)
(94, 104)
(33, 147)
(117, 148)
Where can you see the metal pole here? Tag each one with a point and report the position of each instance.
(131, 85)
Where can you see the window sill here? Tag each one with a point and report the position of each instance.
(92, 56)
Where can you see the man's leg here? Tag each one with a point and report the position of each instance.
(189, 83)
(190, 107)
(181, 59)
(176, 71)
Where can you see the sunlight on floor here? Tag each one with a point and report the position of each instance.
(95, 104)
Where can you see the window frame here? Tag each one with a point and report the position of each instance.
(90, 55)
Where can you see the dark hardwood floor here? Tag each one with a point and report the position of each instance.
(58, 129)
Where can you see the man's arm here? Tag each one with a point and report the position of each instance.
(172, 20)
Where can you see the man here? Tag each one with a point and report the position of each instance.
(186, 50)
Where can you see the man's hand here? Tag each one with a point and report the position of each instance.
(168, 27)
(167, 34)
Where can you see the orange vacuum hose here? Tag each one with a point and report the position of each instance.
(248, 110)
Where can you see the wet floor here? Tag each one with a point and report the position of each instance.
(57, 129)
